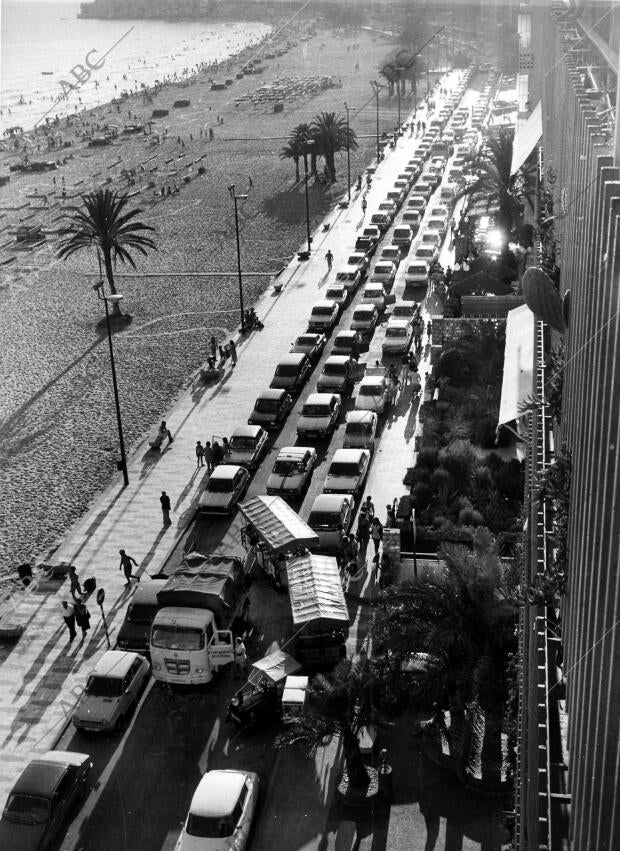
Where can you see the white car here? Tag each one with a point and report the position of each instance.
(373, 392)
(226, 485)
(221, 812)
(384, 272)
(398, 336)
(405, 310)
(319, 415)
(112, 691)
(360, 430)
(337, 293)
(360, 260)
(248, 445)
(350, 277)
(417, 272)
(390, 254)
(417, 203)
(291, 470)
(374, 293)
(347, 472)
(402, 236)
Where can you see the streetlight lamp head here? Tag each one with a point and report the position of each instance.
(241, 197)
(98, 286)
(114, 299)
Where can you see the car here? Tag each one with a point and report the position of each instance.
(309, 344)
(373, 391)
(405, 180)
(390, 254)
(248, 445)
(360, 260)
(330, 517)
(221, 812)
(337, 293)
(374, 293)
(43, 799)
(112, 691)
(319, 415)
(431, 178)
(338, 375)
(367, 242)
(365, 318)
(412, 219)
(360, 430)
(396, 196)
(323, 316)
(348, 343)
(428, 253)
(439, 211)
(291, 470)
(271, 408)
(398, 336)
(390, 206)
(384, 273)
(447, 192)
(382, 220)
(438, 224)
(226, 485)
(350, 277)
(402, 184)
(402, 237)
(347, 472)
(408, 310)
(135, 630)
(424, 189)
(291, 372)
(430, 237)
(416, 203)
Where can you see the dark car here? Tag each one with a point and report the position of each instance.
(42, 800)
(271, 408)
(135, 630)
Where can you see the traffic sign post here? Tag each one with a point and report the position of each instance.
(100, 599)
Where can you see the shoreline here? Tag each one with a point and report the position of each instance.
(65, 390)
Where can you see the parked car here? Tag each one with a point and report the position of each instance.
(319, 415)
(402, 185)
(390, 254)
(374, 293)
(398, 336)
(226, 485)
(381, 220)
(431, 178)
(430, 237)
(43, 799)
(405, 179)
(396, 196)
(347, 472)
(384, 273)
(438, 224)
(323, 316)
(365, 318)
(368, 239)
(408, 310)
(424, 189)
(291, 471)
(350, 277)
(337, 293)
(429, 253)
(348, 343)
(135, 630)
(330, 517)
(390, 205)
(311, 345)
(412, 219)
(360, 260)
(360, 430)
(373, 391)
(417, 203)
(248, 445)
(417, 272)
(338, 375)
(221, 812)
(439, 211)
(402, 237)
(112, 691)
(447, 193)
(271, 408)
(291, 372)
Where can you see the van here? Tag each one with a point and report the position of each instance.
(323, 316)
(331, 515)
(135, 630)
(291, 372)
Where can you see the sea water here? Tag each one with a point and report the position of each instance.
(50, 60)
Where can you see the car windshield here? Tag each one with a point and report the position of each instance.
(27, 809)
(345, 276)
(362, 316)
(243, 443)
(323, 520)
(286, 467)
(266, 406)
(287, 370)
(210, 827)
(334, 294)
(315, 411)
(104, 686)
(355, 260)
(334, 369)
(216, 485)
(425, 252)
(371, 389)
(396, 332)
(177, 637)
(141, 613)
(342, 469)
(403, 310)
(306, 341)
(382, 269)
(323, 311)
(358, 428)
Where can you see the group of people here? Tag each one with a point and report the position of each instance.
(210, 456)
(75, 613)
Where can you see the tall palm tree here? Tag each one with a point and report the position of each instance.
(105, 224)
(296, 147)
(339, 704)
(331, 135)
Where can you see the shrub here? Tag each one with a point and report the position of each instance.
(484, 432)
(422, 496)
(458, 458)
(482, 478)
(441, 478)
(427, 457)
(470, 517)
(508, 484)
(423, 474)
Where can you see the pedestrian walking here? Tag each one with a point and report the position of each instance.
(233, 353)
(404, 369)
(164, 431)
(369, 506)
(213, 348)
(82, 617)
(363, 532)
(125, 565)
(376, 533)
(241, 658)
(218, 453)
(225, 446)
(364, 206)
(75, 587)
(452, 227)
(200, 454)
(351, 551)
(68, 615)
(390, 516)
(330, 259)
(165, 508)
(429, 331)
(208, 456)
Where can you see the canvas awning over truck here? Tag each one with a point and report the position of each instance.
(315, 590)
(277, 524)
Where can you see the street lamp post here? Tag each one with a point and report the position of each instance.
(348, 151)
(114, 299)
(236, 198)
(309, 144)
(374, 85)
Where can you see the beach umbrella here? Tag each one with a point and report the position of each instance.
(543, 299)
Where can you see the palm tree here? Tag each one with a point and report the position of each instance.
(331, 135)
(103, 223)
(463, 618)
(340, 704)
(296, 147)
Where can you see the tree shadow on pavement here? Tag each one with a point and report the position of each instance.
(289, 206)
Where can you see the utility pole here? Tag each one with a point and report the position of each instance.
(374, 85)
(309, 144)
(348, 151)
(236, 198)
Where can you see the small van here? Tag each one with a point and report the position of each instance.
(360, 430)
(291, 372)
(330, 517)
(323, 316)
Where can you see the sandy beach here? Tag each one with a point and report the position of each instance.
(58, 439)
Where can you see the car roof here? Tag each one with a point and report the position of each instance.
(247, 431)
(365, 308)
(39, 778)
(338, 359)
(320, 398)
(292, 359)
(360, 416)
(325, 302)
(346, 455)
(335, 286)
(397, 322)
(271, 394)
(315, 336)
(225, 471)
(347, 335)
(217, 793)
(114, 663)
(329, 502)
(293, 453)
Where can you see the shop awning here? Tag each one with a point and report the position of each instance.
(278, 525)
(277, 666)
(518, 363)
(526, 139)
(315, 590)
